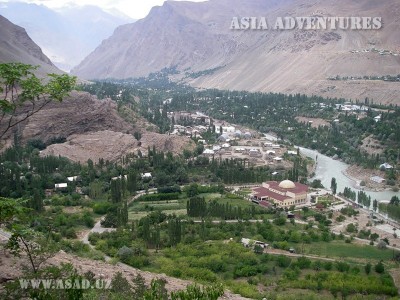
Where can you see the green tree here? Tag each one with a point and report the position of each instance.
(132, 182)
(368, 268)
(379, 268)
(333, 185)
(36, 246)
(21, 88)
(10, 208)
(37, 201)
(174, 231)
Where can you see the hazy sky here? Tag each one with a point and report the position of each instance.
(136, 9)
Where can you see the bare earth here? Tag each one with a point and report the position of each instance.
(11, 268)
(360, 174)
(361, 221)
(315, 122)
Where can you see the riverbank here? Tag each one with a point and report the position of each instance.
(359, 174)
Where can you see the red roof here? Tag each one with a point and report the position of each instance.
(262, 192)
(265, 203)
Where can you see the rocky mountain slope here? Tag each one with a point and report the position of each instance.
(92, 129)
(17, 46)
(196, 39)
(67, 35)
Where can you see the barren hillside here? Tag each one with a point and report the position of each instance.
(92, 129)
(17, 46)
(196, 37)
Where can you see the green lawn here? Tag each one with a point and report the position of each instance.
(339, 249)
(210, 196)
(138, 215)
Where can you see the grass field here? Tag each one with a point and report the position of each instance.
(139, 209)
(339, 249)
(138, 215)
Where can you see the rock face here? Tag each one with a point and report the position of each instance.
(78, 114)
(17, 46)
(196, 37)
(92, 129)
(111, 145)
(106, 144)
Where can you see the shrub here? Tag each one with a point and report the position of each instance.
(342, 266)
(69, 233)
(125, 253)
(381, 245)
(368, 268)
(283, 261)
(101, 208)
(379, 268)
(351, 228)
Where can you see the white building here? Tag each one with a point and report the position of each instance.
(72, 178)
(386, 166)
(208, 152)
(59, 186)
(146, 176)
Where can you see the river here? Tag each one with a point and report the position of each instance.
(328, 168)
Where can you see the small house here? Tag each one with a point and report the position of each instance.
(146, 176)
(208, 152)
(60, 186)
(386, 166)
(251, 243)
(377, 179)
(72, 178)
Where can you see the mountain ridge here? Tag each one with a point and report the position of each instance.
(195, 37)
(66, 35)
(17, 46)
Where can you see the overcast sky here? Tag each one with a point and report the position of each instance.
(136, 9)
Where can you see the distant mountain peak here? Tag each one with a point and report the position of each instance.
(66, 34)
(17, 46)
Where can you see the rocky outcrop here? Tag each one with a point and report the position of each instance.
(79, 113)
(108, 145)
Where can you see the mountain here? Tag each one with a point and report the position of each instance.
(68, 34)
(196, 39)
(17, 46)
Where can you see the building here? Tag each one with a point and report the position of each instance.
(72, 178)
(60, 186)
(208, 152)
(247, 135)
(224, 138)
(146, 176)
(377, 179)
(254, 153)
(386, 166)
(248, 243)
(283, 194)
(228, 129)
